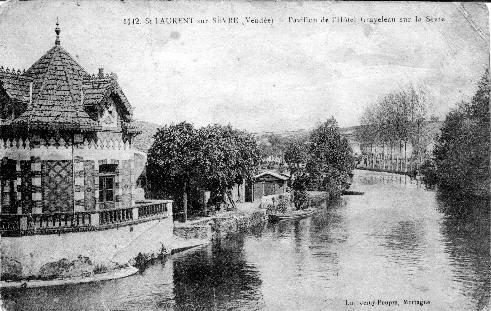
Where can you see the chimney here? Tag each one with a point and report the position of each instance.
(82, 97)
(30, 95)
(101, 73)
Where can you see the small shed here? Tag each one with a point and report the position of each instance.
(269, 183)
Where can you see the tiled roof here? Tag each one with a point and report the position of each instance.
(271, 173)
(44, 115)
(97, 89)
(16, 85)
(58, 81)
(56, 95)
(57, 77)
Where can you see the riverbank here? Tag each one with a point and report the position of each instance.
(114, 274)
(408, 173)
(185, 236)
(245, 216)
(408, 235)
(241, 220)
(318, 197)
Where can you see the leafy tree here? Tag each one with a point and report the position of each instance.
(272, 145)
(324, 163)
(215, 157)
(296, 157)
(300, 184)
(367, 132)
(226, 156)
(277, 144)
(265, 148)
(331, 160)
(461, 156)
(395, 119)
(172, 161)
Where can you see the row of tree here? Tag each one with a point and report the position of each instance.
(324, 163)
(183, 158)
(460, 161)
(396, 119)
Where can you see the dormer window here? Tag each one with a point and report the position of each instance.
(109, 117)
(8, 114)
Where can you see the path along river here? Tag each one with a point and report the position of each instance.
(396, 242)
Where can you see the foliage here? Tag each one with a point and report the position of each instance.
(324, 163)
(214, 157)
(300, 186)
(295, 156)
(225, 156)
(172, 158)
(396, 118)
(272, 148)
(461, 156)
(272, 145)
(145, 138)
(281, 206)
(331, 160)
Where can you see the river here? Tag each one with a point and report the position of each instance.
(396, 242)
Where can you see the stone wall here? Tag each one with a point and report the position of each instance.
(76, 254)
(202, 232)
(233, 222)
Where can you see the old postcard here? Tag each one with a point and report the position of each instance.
(297, 155)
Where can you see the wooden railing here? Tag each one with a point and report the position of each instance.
(31, 224)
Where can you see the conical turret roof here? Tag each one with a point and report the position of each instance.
(62, 93)
(57, 92)
(56, 77)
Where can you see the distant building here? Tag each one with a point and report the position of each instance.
(274, 159)
(399, 156)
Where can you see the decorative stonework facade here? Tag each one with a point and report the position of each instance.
(65, 139)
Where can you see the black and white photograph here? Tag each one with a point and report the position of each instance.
(244, 155)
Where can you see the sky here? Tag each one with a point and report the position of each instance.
(258, 77)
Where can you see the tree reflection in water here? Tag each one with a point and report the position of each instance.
(406, 241)
(467, 240)
(217, 279)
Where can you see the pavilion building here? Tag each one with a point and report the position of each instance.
(67, 168)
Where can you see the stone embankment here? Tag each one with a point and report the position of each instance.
(237, 221)
(246, 215)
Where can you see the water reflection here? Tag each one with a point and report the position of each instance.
(217, 278)
(397, 241)
(465, 228)
(405, 241)
(143, 291)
